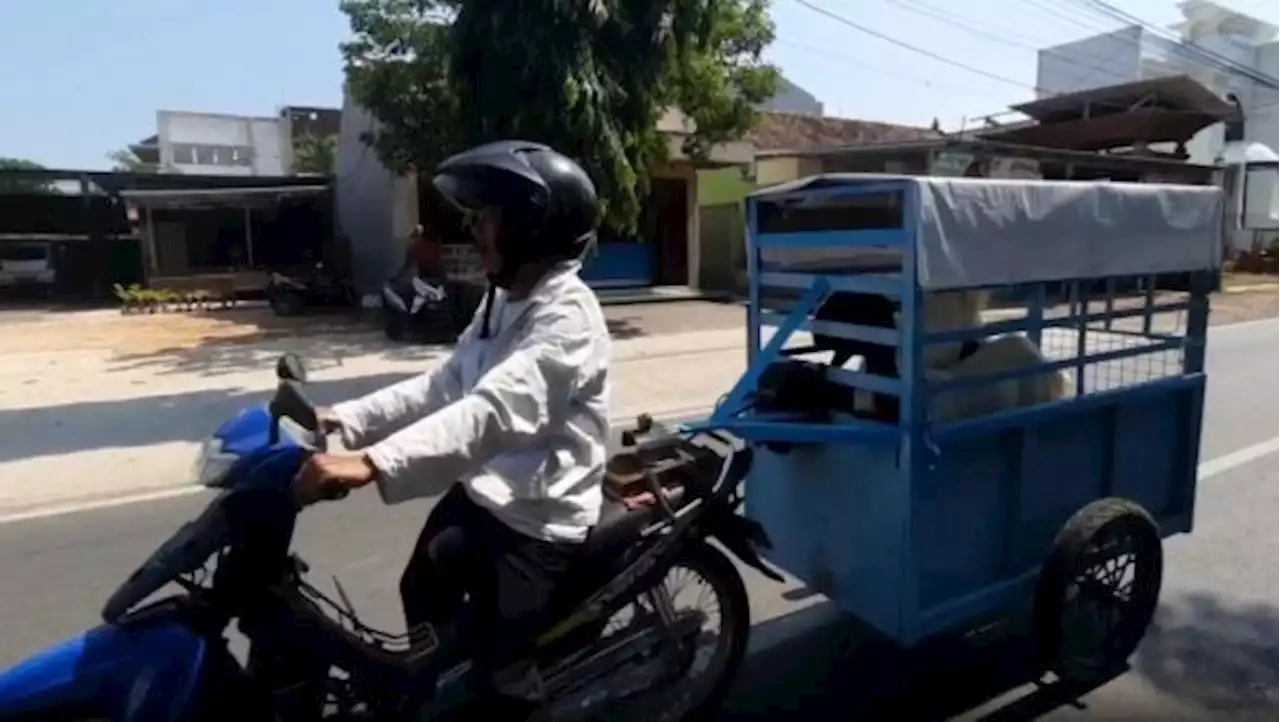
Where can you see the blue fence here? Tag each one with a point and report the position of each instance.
(616, 264)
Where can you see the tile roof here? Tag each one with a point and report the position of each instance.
(792, 131)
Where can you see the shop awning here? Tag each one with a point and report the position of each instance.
(187, 198)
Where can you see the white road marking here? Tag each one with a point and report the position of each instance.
(1242, 325)
(1237, 458)
(73, 507)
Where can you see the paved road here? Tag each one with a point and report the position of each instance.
(1215, 647)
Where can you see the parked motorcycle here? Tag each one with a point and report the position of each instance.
(619, 641)
(293, 293)
(428, 310)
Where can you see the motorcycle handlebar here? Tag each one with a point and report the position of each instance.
(291, 401)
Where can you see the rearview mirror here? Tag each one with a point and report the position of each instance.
(292, 402)
(291, 368)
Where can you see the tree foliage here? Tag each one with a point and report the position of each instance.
(396, 69)
(17, 184)
(315, 154)
(127, 161)
(589, 77)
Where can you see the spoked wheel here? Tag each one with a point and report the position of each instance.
(1098, 591)
(702, 604)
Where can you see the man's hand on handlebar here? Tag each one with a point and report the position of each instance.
(329, 421)
(325, 477)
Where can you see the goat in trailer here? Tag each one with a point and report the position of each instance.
(959, 310)
(945, 361)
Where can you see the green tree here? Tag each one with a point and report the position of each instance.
(14, 184)
(590, 77)
(396, 69)
(315, 154)
(127, 161)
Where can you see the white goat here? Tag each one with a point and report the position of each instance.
(956, 310)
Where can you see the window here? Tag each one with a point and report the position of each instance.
(214, 155)
(24, 252)
(184, 154)
(241, 155)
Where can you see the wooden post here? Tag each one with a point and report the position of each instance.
(248, 236)
(153, 260)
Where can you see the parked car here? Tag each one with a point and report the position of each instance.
(27, 266)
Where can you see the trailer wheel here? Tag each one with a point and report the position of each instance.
(1098, 591)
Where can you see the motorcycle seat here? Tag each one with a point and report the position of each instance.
(619, 524)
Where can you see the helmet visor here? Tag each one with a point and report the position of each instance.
(463, 192)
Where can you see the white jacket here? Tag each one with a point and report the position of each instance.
(521, 419)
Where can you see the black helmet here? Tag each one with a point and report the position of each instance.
(549, 204)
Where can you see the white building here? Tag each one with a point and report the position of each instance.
(223, 144)
(1135, 53)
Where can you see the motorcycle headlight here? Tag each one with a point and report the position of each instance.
(213, 464)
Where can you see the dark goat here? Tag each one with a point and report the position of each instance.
(863, 309)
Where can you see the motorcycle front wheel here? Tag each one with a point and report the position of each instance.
(694, 686)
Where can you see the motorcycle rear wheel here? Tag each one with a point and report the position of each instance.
(690, 695)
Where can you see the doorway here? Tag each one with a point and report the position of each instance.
(669, 201)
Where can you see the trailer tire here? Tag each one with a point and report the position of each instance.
(1089, 547)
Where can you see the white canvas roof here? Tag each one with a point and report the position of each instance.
(974, 232)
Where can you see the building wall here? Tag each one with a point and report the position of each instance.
(375, 208)
(1261, 123)
(1094, 62)
(781, 169)
(216, 144)
(1132, 54)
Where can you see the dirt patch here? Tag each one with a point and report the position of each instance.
(161, 333)
(649, 319)
(1238, 307)
(149, 334)
(1241, 279)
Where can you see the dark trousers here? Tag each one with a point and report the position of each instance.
(505, 579)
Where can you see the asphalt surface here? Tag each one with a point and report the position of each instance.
(1212, 654)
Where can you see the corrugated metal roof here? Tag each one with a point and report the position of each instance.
(1174, 92)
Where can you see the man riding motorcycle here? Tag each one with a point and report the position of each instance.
(514, 425)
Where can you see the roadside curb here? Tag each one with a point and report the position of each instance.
(775, 631)
(1251, 287)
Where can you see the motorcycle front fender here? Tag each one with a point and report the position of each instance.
(392, 299)
(146, 670)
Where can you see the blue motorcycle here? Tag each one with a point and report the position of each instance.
(616, 644)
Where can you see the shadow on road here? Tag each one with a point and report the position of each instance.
(245, 339)
(625, 327)
(846, 671)
(323, 339)
(1219, 657)
(213, 359)
(69, 428)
